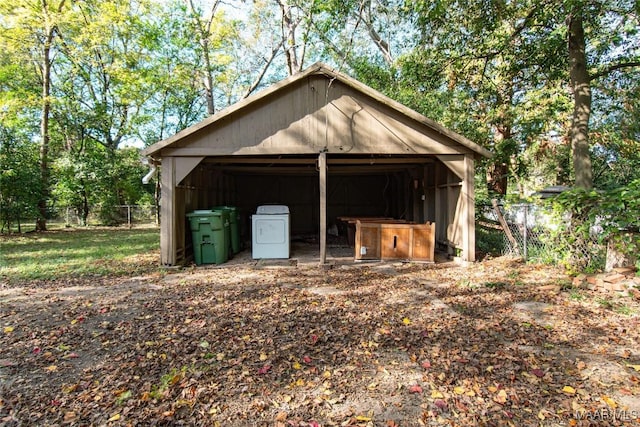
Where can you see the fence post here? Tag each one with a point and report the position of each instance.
(129, 215)
(525, 234)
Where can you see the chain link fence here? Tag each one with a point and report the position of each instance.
(67, 216)
(128, 215)
(530, 232)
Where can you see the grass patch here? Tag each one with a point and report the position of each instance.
(78, 253)
(624, 310)
(496, 285)
(576, 295)
(605, 303)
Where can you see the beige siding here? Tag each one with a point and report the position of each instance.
(298, 121)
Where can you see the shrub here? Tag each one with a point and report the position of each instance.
(592, 219)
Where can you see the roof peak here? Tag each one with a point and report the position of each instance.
(316, 69)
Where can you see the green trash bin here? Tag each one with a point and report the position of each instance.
(227, 229)
(207, 232)
(234, 223)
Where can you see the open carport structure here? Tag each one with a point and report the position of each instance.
(327, 146)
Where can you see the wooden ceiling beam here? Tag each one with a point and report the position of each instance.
(311, 161)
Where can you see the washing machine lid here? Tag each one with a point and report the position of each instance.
(272, 210)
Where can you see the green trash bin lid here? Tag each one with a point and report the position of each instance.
(198, 217)
(200, 212)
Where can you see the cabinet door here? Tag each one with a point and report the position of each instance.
(395, 241)
(423, 243)
(367, 240)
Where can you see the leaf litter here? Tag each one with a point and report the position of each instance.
(402, 345)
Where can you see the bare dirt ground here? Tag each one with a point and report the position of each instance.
(371, 344)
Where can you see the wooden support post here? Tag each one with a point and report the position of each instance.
(322, 166)
(469, 210)
(167, 212)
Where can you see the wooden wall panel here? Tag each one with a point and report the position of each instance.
(306, 118)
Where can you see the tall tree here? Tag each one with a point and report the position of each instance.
(176, 100)
(581, 88)
(105, 81)
(602, 39)
(289, 25)
(202, 25)
(50, 28)
(32, 29)
(597, 39)
(484, 63)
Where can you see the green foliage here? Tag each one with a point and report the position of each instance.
(493, 67)
(489, 241)
(122, 72)
(616, 157)
(95, 177)
(19, 172)
(588, 220)
(377, 75)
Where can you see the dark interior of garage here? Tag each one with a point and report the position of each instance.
(384, 186)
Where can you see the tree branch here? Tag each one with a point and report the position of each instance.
(381, 44)
(267, 64)
(615, 67)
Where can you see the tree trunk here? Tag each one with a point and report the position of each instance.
(289, 38)
(498, 170)
(581, 86)
(208, 77)
(382, 45)
(41, 221)
(204, 32)
(85, 208)
(497, 174)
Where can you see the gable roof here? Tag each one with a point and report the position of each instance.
(317, 69)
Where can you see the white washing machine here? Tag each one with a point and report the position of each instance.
(270, 231)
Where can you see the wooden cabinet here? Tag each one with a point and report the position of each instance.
(392, 240)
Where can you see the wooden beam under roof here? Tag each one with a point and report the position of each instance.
(310, 161)
(311, 170)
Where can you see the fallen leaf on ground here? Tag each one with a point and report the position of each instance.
(415, 389)
(264, 369)
(500, 397)
(609, 401)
